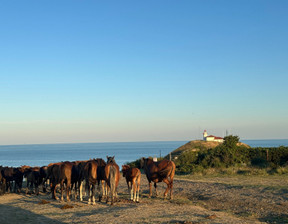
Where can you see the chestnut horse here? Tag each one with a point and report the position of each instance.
(158, 172)
(133, 178)
(112, 174)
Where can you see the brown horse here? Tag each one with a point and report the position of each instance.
(78, 180)
(60, 173)
(101, 177)
(90, 174)
(112, 174)
(158, 172)
(133, 178)
(33, 177)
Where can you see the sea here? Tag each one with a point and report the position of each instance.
(43, 154)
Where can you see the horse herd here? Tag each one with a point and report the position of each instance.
(73, 175)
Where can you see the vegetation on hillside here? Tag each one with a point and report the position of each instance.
(231, 154)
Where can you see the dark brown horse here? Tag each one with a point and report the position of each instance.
(101, 177)
(112, 175)
(133, 178)
(33, 177)
(79, 179)
(11, 174)
(2, 182)
(158, 172)
(60, 173)
(97, 177)
(90, 174)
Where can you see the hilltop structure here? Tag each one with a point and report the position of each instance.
(211, 138)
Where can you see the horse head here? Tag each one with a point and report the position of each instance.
(125, 169)
(143, 162)
(110, 159)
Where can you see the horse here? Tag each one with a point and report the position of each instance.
(60, 173)
(101, 177)
(158, 172)
(133, 178)
(2, 182)
(90, 175)
(33, 177)
(78, 170)
(11, 174)
(112, 176)
(43, 175)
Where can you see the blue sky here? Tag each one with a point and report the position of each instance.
(95, 71)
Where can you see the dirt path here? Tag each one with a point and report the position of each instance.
(204, 200)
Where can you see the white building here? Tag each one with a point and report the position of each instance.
(211, 138)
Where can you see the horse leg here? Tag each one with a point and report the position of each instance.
(62, 189)
(107, 196)
(155, 185)
(31, 187)
(113, 193)
(168, 187)
(129, 190)
(134, 189)
(100, 194)
(99, 190)
(80, 190)
(104, 189)
(27, 187)
(68, 190)
(138, 188)
(89, 198)
(44, 186)
(36, 188)
(14, 188)
(93, 194)
(150, 189)
(171, 188)
(53, 190)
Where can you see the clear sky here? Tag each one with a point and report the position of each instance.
(109, 71)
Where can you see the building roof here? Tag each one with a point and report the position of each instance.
(215, 137)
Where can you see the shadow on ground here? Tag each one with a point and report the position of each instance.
(22, 216)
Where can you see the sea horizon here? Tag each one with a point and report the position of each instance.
(59, 143)
(43, 154)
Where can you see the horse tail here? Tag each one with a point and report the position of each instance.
(112, 178)
(112, 182)
(172, 173)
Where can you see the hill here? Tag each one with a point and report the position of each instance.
(197, 145)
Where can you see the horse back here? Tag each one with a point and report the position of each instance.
(158, 171)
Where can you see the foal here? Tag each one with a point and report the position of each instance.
(133, 178)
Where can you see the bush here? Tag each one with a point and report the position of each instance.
(259, 162)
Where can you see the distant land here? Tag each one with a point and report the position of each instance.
(198, 145)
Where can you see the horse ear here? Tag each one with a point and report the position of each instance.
(107, 157)
(113, 157)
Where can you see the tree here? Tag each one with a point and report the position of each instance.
(231, 141)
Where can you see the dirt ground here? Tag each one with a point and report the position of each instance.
(236, 199)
